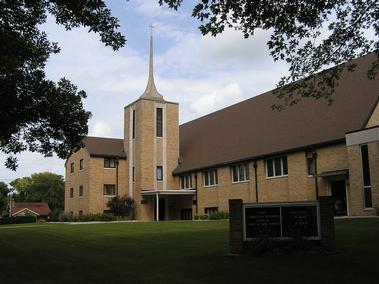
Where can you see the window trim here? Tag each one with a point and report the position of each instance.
(81, 164)
(215, 177)
(72, 167)
(187, 180)
(273, 167)
(246, 174)
(71, 196)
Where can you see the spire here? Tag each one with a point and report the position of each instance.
(151, 91)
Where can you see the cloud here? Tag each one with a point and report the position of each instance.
(100, 129)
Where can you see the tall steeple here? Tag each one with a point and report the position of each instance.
(151, 91)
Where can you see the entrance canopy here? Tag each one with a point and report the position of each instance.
(333, 174)
(147, 192)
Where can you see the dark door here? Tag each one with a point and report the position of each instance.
(162, 209)
(186, 214)
(338, 190)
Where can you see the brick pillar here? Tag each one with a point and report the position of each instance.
(327, 223)
(235, 226)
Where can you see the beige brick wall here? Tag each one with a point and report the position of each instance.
(74, 180)
(92, 177)
(374, 119)
(297, 186)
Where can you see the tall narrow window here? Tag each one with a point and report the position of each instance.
(134, 174)
(366, 177)
(159, 173)
(311, 164)
(71, 192)
(72, 167)
(81, 190)
(81, 164)
(159, 121)
(134, 124)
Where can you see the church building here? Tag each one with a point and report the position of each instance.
(245, 151)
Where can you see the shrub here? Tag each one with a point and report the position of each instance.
(66, 217)
(55, 213)
(122, 206)
(200, 217)
(18, 220)
(259, 246)
(218, 215)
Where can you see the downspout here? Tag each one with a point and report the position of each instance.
(196, 205)
(314, 156)
(256, 181)
(117, 176)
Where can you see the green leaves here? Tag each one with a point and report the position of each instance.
(37, 114)
(309, 35)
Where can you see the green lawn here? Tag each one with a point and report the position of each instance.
(175, 252)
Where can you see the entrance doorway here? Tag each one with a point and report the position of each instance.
(162, 209)
(338, 191)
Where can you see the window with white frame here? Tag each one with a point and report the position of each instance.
(109, 190)
(210, 177)
(240, 172)
(277, 167)
(366, 177)
(186, 181)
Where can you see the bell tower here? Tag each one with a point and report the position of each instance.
(151, 141)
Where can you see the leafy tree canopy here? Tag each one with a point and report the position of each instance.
(309, 35)
(40, 187)
(37, 114)
(4, 190)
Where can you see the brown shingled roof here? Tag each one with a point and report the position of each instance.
(251, 129)
(104, 147)
(41, 208)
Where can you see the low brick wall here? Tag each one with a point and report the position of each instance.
(236, 241)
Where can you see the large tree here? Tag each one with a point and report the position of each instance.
(4, 190)
(37, 114)
(40, 187)
(309, 35)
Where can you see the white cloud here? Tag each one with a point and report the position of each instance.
(100, 129)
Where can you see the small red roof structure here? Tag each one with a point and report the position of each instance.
(36, 208)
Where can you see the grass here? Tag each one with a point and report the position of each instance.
(175, 252)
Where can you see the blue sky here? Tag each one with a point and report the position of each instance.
(203, 74)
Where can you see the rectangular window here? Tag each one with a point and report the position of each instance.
(80, 212)
(159, 173)
(210, 210)
(72, 167)
(134, 124)
(366, 177)
(311, 164)
(159, 122)
(109, 190)
(134, 174)
(277, 167)
(81, 164)
(71, 192)
(210, 177)
(240, 172)
(186, 181)
(81, 191)
(109, 162)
